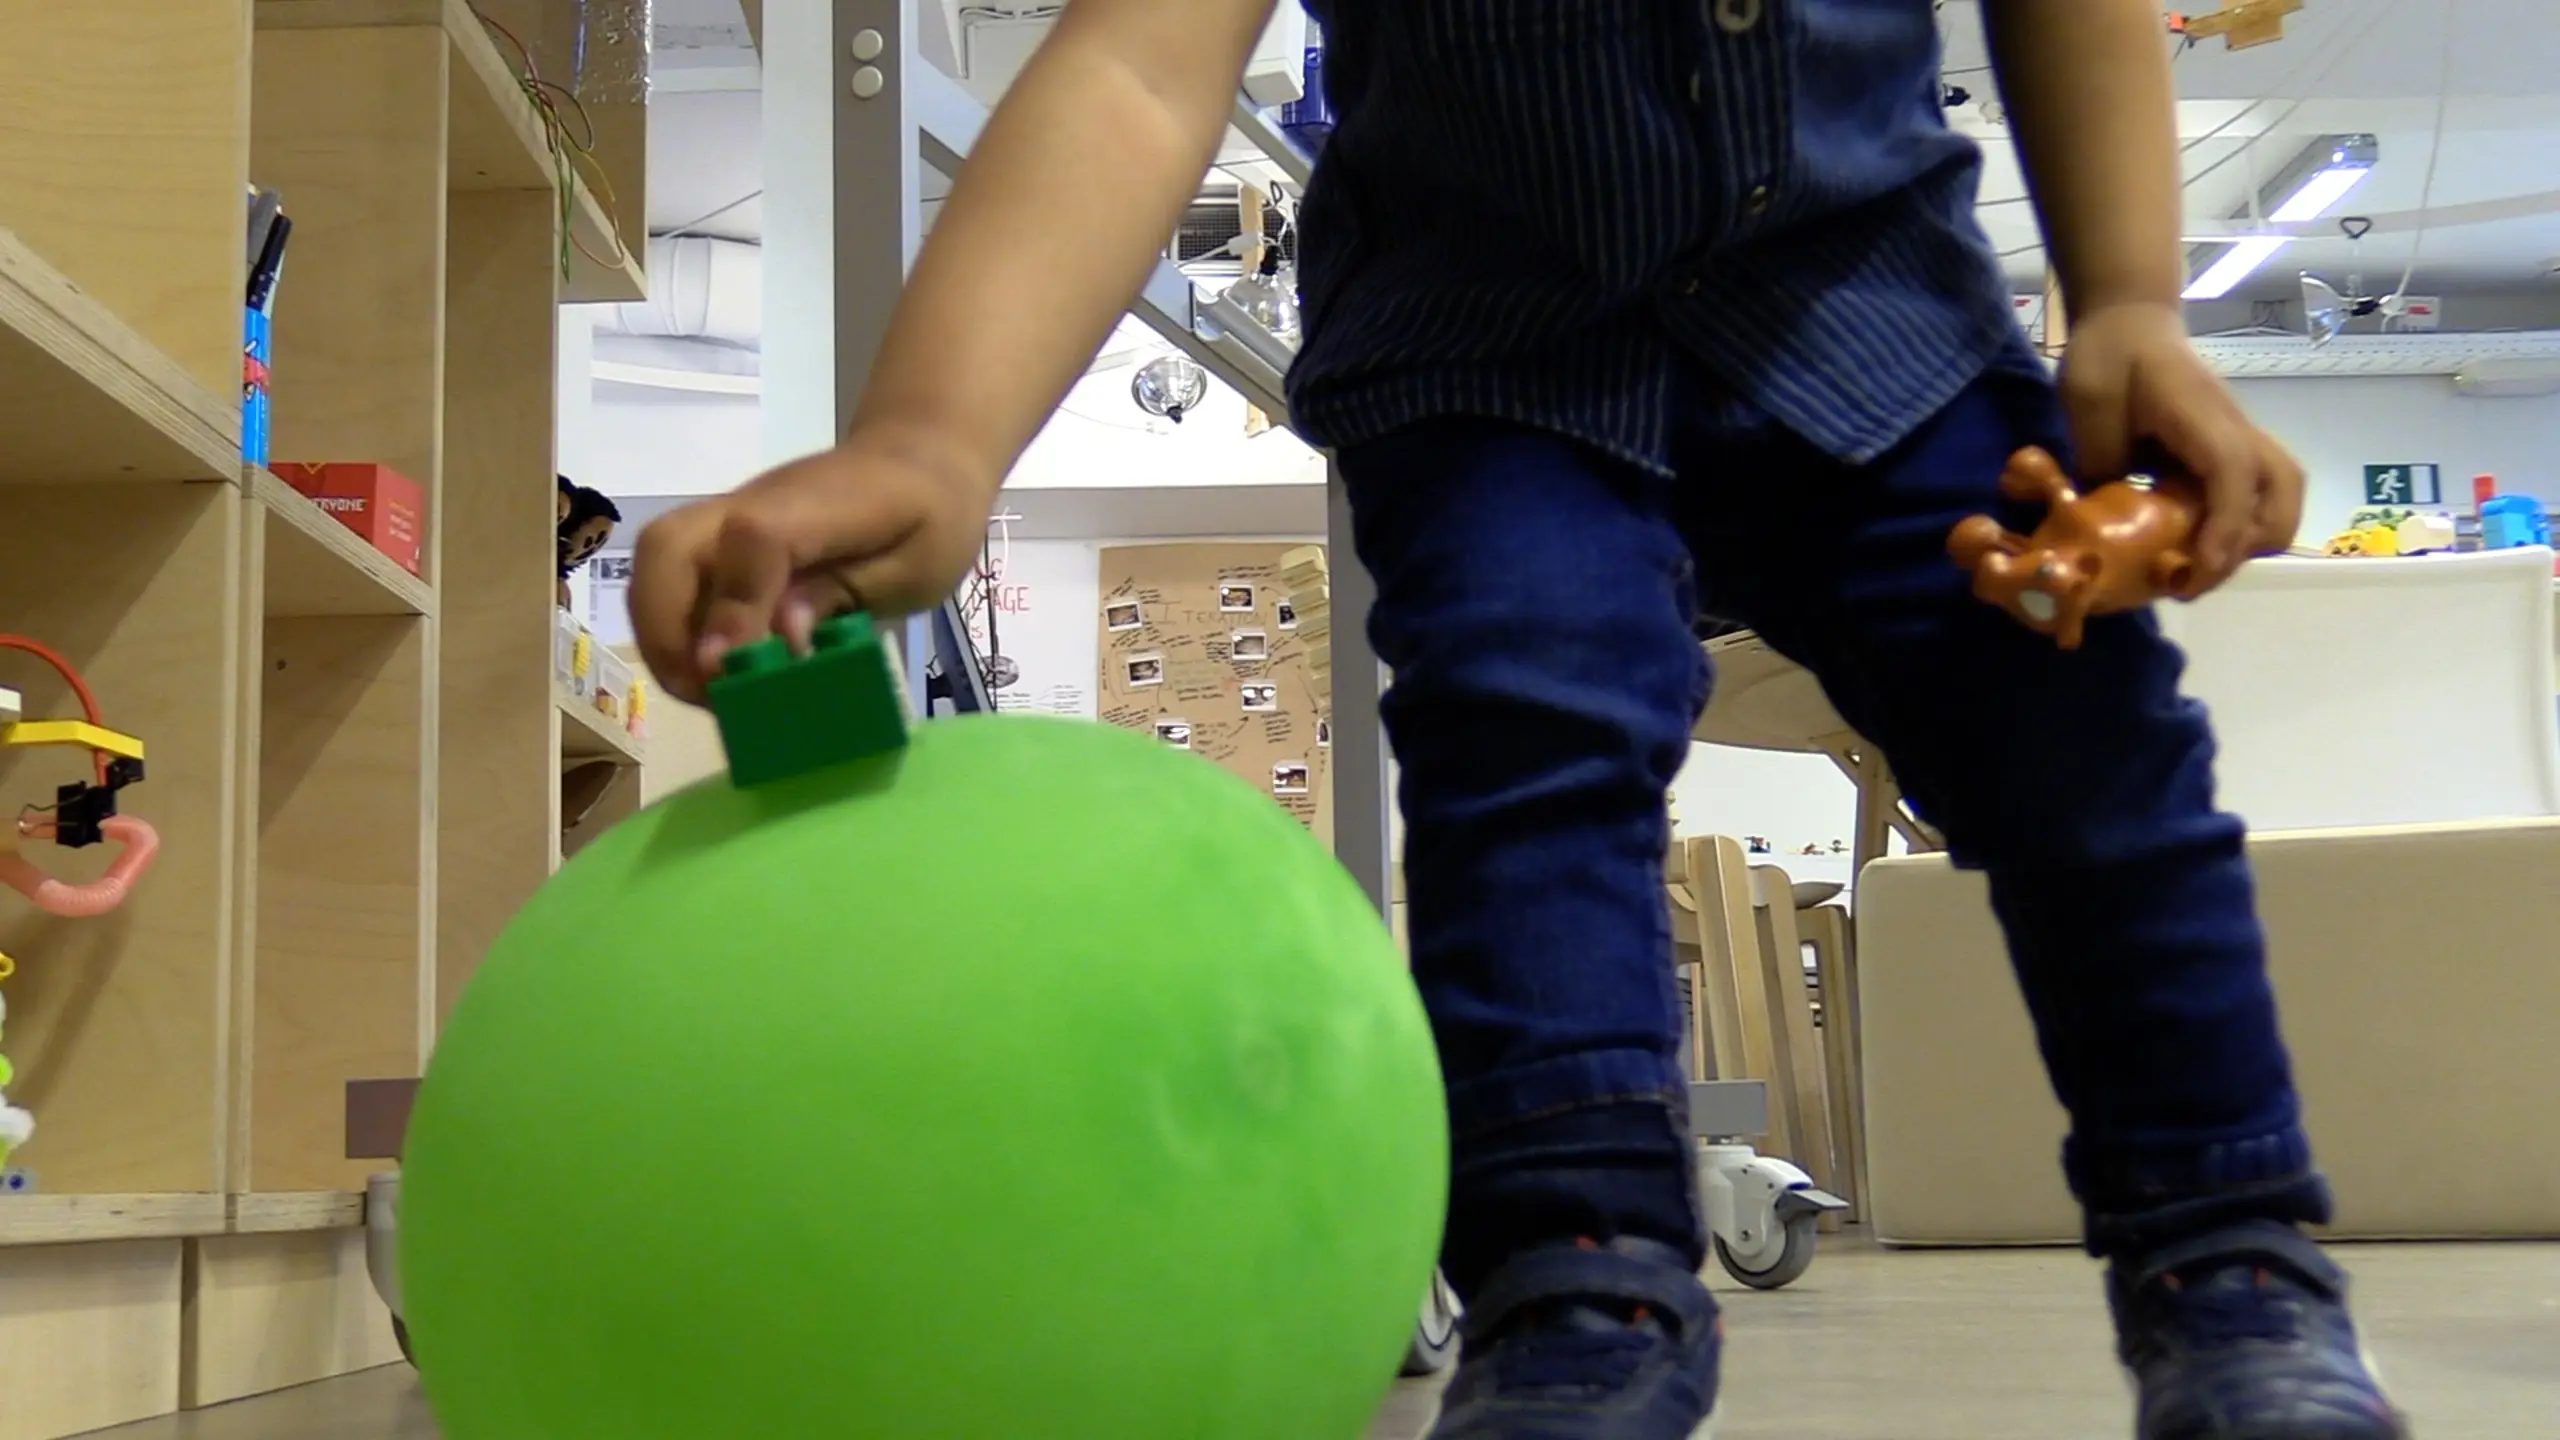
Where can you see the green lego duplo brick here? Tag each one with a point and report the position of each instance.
(783, 715)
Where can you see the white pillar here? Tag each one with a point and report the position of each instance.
(577, 400)
(840, 207)
(841, 222)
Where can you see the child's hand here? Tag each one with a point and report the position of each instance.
(884, 522)
(2129, 376)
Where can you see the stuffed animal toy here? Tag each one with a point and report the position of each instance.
(587, 519)
(2119, 547)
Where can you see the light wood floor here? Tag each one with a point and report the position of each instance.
(1876, 1346)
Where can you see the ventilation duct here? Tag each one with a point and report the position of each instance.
(700, 288)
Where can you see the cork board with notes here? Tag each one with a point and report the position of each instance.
(1200, 648)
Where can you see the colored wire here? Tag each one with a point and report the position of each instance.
(572, 155)
(71, 676)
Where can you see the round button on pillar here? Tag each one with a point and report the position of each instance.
(868, 82)
(1757, 202)
(867, 45)
(1735, 17)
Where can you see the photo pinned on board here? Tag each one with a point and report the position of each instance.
(1324, 733)
(1122, 615)
(1289, 777)
(1235, 597)
(1260, 698)
(1249, 646)
(1288, 612)
(1176, 733)
(1145, 670)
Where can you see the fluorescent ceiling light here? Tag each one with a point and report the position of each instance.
(2319, 178)
(2236, 265)
(2325, 188)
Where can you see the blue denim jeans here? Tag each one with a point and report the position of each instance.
(1536, 602)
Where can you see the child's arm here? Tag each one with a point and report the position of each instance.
(2090, 98)
(2089, 95)
(1081, 174)
(1083, 171)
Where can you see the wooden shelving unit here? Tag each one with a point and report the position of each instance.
(354, 770)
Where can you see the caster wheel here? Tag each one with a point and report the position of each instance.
(1776, 1264)
(1435, 1340)
(400, 1332)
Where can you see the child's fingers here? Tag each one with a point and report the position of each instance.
(2279, 499)
(742, 587)
(666, 592)
(2218, 447)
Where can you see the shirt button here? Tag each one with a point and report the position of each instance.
(1735, 17)
(1688, 285)
(1757, 202)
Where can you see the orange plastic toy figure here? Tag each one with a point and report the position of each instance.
(2119, 547)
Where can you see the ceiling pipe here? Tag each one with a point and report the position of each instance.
(700, 288)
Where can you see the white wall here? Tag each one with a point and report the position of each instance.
(2338, 426)
(671, 445)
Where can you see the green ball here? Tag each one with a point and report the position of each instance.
(1040, 1080)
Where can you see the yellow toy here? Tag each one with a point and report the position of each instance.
(17, 1127)
(2366, 540)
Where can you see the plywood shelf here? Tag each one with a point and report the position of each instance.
(587, 735)
(101, 402)
(296, 1212)
(497, 140)
(93, 1219)
(86, 1219)
(316, 566)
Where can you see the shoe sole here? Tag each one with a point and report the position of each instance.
(2399, 1418)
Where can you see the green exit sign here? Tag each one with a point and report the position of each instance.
(2403, 485)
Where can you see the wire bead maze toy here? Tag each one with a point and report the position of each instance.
(83, 813)
(570, 132)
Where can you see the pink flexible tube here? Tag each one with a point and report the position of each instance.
(79, 902)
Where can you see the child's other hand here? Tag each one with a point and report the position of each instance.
(2129, 375)
(885, 522)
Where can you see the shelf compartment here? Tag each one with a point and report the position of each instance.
(90, 1335)
(101, 402)
(343, 884)
(318, 567)
(117, 1024)
(496, 139)
(123, 149)
(586, 734)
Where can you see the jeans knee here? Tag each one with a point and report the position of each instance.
(1505, 695)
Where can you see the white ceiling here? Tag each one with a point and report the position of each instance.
(2347, 65)
(2350, 65)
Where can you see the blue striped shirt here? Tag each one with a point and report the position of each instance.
(1537, 210)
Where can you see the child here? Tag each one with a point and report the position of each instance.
(1618, 309)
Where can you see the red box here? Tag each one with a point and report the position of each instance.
(377, 502)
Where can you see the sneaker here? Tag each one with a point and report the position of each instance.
(2243, 1334)
(1587, 1342)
